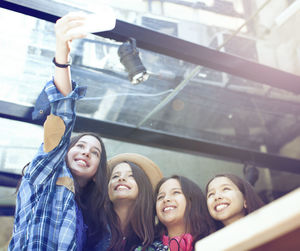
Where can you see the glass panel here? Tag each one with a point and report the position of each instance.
(26, 47)
(19, 143)
(178, 98)
(262, 31)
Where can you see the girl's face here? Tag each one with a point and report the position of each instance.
(225, 201)
(84, 159)
(122, 185)
(171, 204)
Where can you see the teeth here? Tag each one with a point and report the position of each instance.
(221, 207)
(81, 162)
(122, 188)
(168, 208)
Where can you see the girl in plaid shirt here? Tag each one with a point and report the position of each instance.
(61, 195)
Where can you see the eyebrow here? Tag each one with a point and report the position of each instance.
(175, 188)
(97, 148)
(223, 185)
(160, 193)
(118, 172)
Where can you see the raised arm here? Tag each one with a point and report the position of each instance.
(65, 30)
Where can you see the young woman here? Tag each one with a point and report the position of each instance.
(62, 191)
(182, 214)
(129, 208)
(230, 198)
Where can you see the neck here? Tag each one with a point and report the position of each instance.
(81, 182)
(176, 230)
(122, 209)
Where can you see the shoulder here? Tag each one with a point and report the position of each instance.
(102, 244)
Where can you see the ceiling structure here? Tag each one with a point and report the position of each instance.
(224, 75)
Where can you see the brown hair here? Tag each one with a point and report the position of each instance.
(253, 201)
(197, 218)
(91, 198)
(140, 223)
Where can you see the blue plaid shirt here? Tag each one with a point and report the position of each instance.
(45, 217)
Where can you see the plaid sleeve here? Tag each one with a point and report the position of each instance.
(44, 164)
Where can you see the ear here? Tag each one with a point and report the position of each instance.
(245, 204)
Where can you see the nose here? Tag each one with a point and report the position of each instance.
(122, 178)
(86, 152)
(218, 196)
(167, 198)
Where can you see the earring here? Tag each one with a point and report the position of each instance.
(156, 220)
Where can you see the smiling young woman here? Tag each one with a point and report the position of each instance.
(182, 214)
(230, 198)
(129, 206)
(60, 199)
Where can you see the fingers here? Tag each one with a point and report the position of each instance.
(69, 27)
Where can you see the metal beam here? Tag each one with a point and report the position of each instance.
(145, 136)
(181, 49)
(9, 179)
(7, 210)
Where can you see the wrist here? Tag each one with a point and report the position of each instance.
(62, 53)
(62, 63)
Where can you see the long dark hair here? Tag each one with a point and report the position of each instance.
(140, 223)
(91, 198)
(197, 218)
(252, 199)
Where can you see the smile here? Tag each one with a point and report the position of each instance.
(166, 209)
(221, 207)
(81, 162)
(122, 187)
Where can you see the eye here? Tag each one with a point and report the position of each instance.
(177, 192)
(95, 153)
(160, 197)
(226, 189)
(80, 145)
(209, 195)
(115, 176)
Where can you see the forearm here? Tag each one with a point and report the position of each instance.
(64, 31)
(62, 76)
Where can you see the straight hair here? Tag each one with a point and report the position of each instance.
(91, 198)
(197, 218)
(140, 222)
(252, 199)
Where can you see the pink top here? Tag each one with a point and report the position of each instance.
(182, 242)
